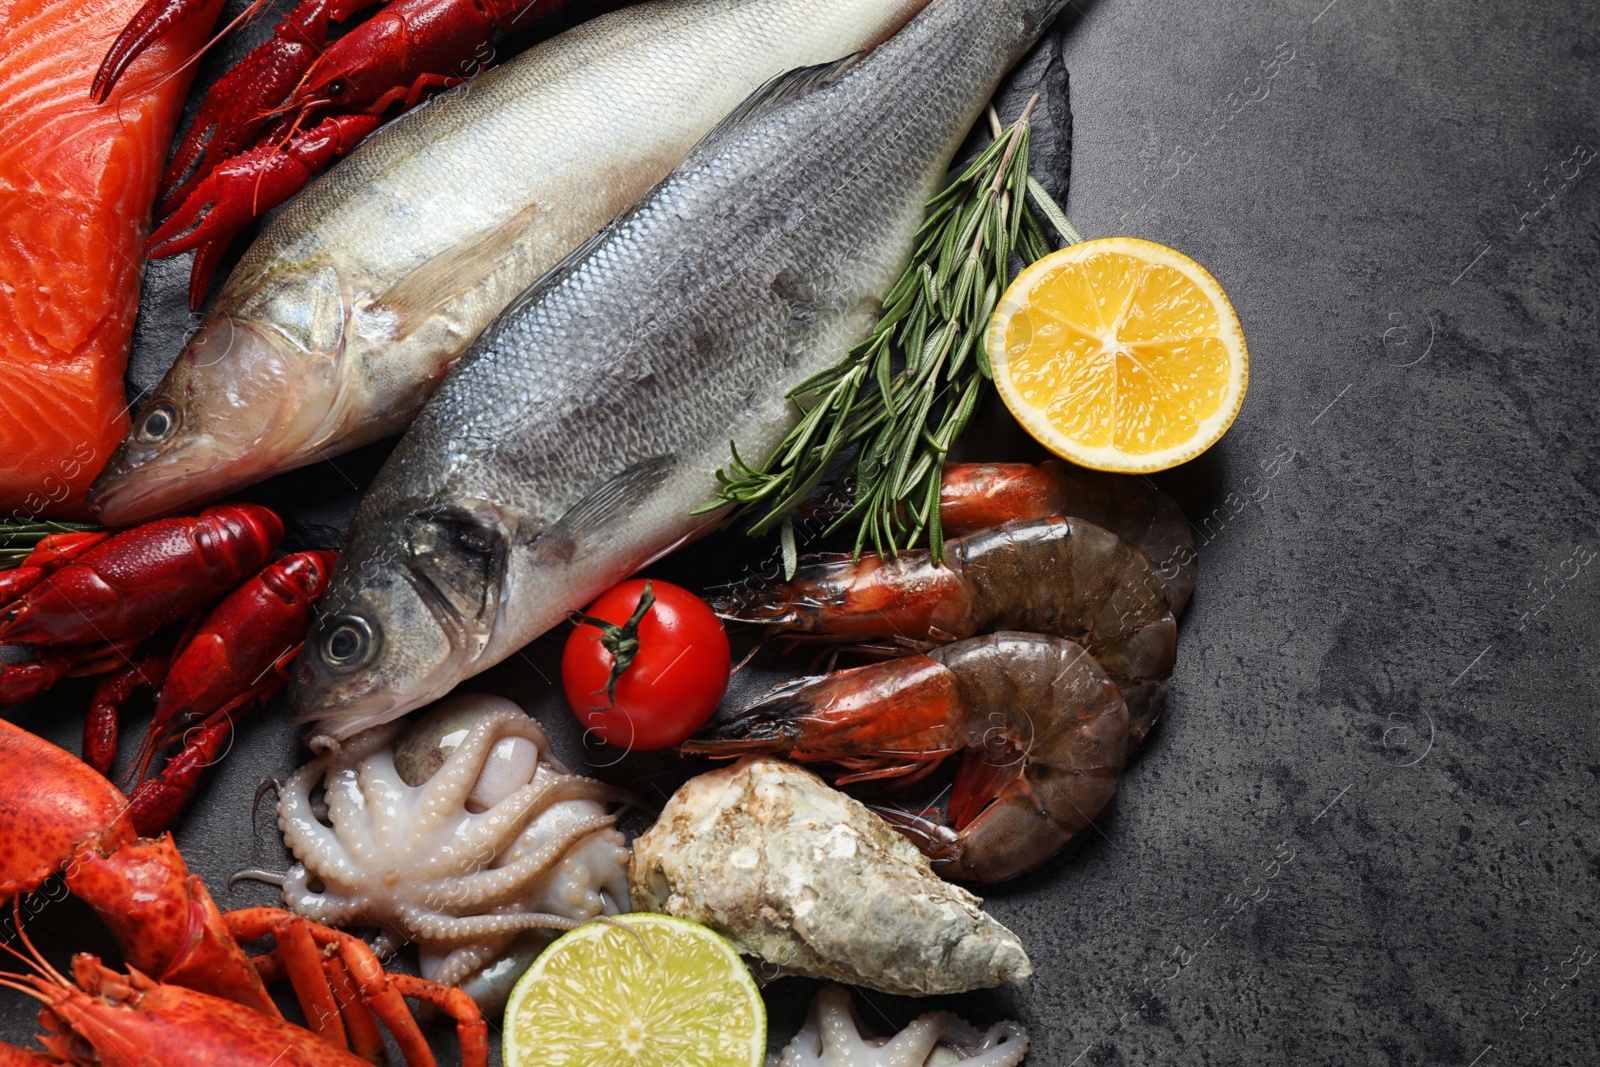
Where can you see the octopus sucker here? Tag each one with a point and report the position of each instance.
(811, 882)
(834, 1037)
(460, 831)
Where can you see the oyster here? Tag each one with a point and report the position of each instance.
(812, 882)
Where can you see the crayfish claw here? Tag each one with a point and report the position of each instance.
(239, 190)
(148, 25)
(206, 259)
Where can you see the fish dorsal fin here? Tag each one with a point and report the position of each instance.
(602, 506)
(790, 85)
(424, 290)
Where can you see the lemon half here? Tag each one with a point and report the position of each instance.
(663, 992)
(1119, 354)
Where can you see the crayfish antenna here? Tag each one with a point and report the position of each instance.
(141, 763)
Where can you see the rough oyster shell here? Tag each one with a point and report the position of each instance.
(809, 880)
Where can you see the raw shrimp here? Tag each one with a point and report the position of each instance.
(1042, 733)
(1060, 576)
(977, 495)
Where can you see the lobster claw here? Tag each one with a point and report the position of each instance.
(60, 814)
(148, 26)
(245, 187)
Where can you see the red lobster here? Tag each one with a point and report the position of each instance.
(191, 996)
(84, 602)
(254, 143)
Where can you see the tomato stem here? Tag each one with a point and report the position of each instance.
(621, 641)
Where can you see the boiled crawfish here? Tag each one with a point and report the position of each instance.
(84, 602)
(191, 994)
(296, 103)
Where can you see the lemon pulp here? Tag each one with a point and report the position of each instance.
(1119, 354)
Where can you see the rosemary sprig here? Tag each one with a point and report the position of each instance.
(18, 536)
(901, 397)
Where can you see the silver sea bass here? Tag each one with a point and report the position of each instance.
(572, 443)
(353, 302)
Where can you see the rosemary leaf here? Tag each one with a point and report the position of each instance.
(19, 536)
(902, 422)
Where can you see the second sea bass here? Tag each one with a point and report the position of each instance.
(355, 300)
(574, 441)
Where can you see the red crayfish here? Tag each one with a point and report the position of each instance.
(83, 603)
(191, 996)
(296, 103)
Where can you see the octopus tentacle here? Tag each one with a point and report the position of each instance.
(463, 960)
(485, 836)
(832, 1037)
(490, 887)
(369, 808)
(434, 927)
(444, 795)
(327, 908)
(460, 831)
(307, 836)
(564, 788)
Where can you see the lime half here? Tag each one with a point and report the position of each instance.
(661, 992)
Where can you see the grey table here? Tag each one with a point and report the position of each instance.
(1365, 832)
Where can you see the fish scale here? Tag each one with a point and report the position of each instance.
(357, 297)
(574, 441)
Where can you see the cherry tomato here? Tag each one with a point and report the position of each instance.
(645, 680)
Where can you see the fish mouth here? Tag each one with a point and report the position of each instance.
(138, 485)
(338, 710)
(339, 719)
(241, 402)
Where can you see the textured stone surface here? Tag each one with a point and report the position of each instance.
(1366, 832)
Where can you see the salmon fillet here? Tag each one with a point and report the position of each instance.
(77, 182)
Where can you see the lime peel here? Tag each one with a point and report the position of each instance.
(639, 990)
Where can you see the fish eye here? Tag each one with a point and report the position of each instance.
(159, 422)
(349, 644)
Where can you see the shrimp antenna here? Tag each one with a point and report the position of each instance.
(607, 920)
(761, 643)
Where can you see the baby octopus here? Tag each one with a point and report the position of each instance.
(461, 832)
(834, 1037)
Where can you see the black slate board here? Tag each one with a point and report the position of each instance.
(1365, 832)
